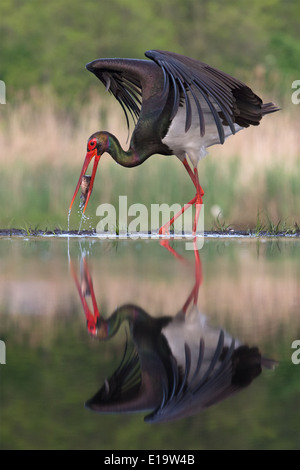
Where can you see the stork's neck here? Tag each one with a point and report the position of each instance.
(131, 157)
(108, 328)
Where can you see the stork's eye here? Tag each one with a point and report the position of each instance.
(92, 144)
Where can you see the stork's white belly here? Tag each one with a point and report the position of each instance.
(191, 143)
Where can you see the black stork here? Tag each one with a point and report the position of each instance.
(180, 107)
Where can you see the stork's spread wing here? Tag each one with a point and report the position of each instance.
(122, 81)
(188, 395)
(230, 101)
(121, 386)
(229, 371)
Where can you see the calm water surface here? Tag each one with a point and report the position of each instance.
(131, 344)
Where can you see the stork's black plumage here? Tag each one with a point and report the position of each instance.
(179, 106)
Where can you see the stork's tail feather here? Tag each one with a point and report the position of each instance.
(268, 108)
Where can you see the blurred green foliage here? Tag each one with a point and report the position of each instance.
(47, 44)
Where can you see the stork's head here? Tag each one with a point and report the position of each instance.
(97, 144)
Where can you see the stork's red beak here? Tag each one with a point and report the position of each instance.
(86, 288)
(88, 158)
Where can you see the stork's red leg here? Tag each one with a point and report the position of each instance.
(166, 244)
(189, 170)
(198, 272)
(193, 296)
(197, 200)
(165, 228)
(200, 191)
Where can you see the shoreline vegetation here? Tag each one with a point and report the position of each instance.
(35, 232)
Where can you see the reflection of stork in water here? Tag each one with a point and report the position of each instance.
(176, 367)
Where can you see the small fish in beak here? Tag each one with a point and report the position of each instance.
(85, 184)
